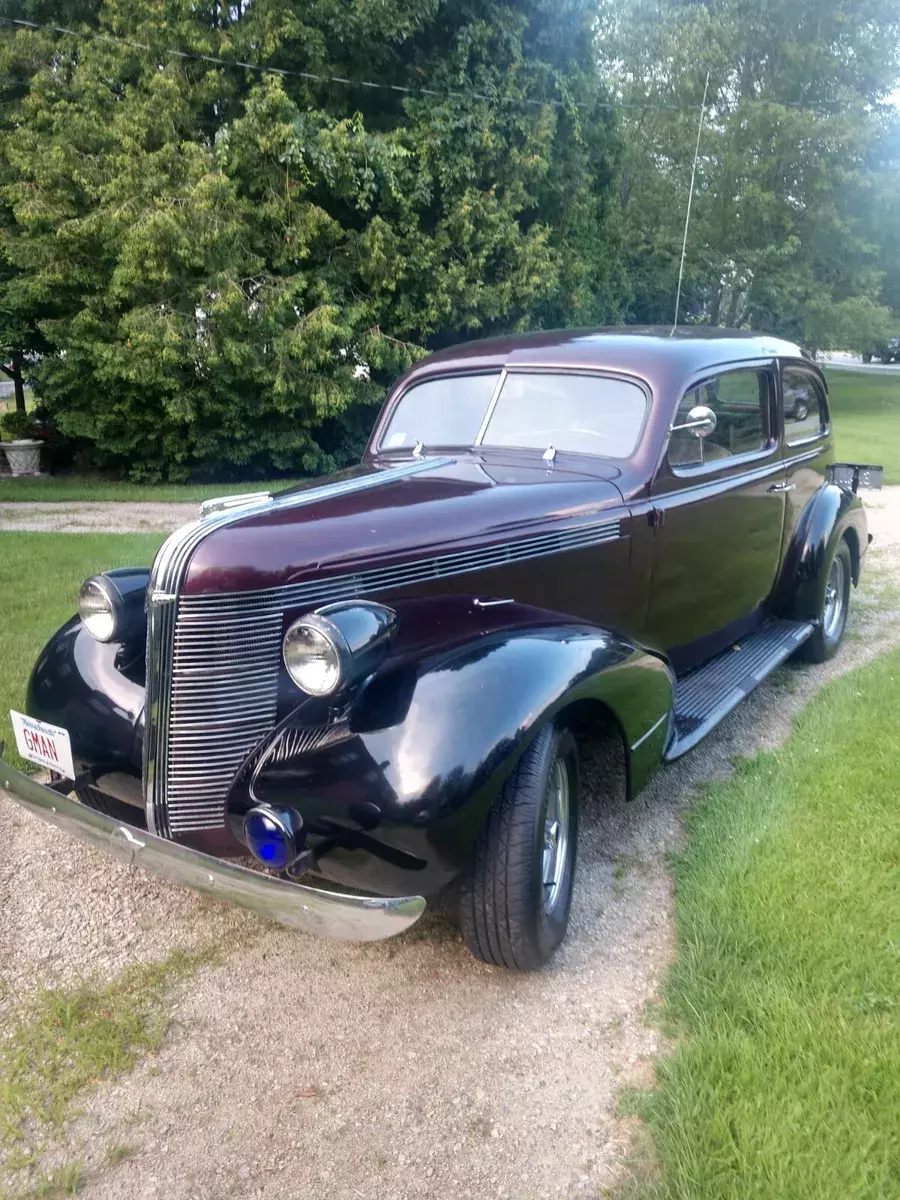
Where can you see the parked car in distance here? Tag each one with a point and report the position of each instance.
(890, 351)
(383, 680)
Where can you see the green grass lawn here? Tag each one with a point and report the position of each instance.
(40, 574)
(866, 409)
(785, 996)
(91, 487)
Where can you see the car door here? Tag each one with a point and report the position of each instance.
(718, 511)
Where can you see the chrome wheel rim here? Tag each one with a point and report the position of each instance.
(834, 600)
(556, 835)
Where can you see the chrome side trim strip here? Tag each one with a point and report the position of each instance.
(653, 728)
(311, 910)
(807, 456)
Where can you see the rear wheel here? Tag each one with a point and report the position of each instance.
(516, 892)
(833, 606)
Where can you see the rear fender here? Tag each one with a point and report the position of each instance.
(831, 514)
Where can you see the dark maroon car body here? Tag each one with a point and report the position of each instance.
(524, 589)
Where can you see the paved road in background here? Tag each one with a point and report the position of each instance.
(843, 365)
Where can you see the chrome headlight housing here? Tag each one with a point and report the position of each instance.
(111, 605)
(335, 646)
(99, 612)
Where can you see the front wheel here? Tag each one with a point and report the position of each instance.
(833, 606)
(516, 892)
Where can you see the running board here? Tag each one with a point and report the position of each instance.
(708, 694)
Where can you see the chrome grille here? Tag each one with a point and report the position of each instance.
(291, 744)
(203, 717)
(222, 703)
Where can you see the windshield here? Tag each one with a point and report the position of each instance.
(588, 414)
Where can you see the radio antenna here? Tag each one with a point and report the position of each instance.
(687, 216)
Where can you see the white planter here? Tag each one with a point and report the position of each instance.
(24, 457)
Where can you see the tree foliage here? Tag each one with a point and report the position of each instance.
(795, 169)
(227, 267)
(207, 269)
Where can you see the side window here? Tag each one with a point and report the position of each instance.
(805, 409)
(740, 400)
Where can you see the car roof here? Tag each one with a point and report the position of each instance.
(688, 348)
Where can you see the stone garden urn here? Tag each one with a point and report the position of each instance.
(23, 456)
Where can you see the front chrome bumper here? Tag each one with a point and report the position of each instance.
(314, 911)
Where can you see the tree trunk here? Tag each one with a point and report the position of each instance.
(14, 371)
(716, 306)
(731, 319)
(17, 383)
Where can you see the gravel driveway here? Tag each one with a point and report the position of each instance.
(303, 1068)
(73, 516)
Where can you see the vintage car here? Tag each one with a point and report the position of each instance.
(383, 679)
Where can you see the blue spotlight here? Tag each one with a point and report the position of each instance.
(274, 835)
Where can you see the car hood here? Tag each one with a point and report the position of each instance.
(385, 512)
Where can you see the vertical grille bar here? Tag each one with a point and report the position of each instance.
(160, 629)
(223, 699)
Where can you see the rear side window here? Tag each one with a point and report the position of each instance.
(740, 400)
(805, 409)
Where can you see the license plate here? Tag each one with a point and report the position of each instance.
(47, 745)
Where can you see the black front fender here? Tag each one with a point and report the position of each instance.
(95, 690)
(832, 513)
(431, 741)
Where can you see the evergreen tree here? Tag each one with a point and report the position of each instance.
(229, 266)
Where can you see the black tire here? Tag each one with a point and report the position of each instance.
(829, 632)
(801, 412)
(502, 911)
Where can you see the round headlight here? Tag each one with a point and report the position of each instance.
(97, 610)
(314, 656)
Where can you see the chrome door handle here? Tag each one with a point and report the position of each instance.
(781, 487)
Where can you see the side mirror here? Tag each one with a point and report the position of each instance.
(701, 421)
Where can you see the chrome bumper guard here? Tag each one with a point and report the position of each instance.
(314, 911)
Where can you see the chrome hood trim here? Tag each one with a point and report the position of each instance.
(223, 503)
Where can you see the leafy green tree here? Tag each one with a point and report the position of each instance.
(232, 265)
(784, 234)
